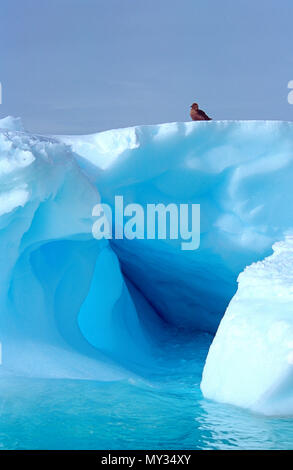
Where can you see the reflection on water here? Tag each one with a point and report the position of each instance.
(165, 411)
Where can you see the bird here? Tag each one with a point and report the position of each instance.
(197, 114)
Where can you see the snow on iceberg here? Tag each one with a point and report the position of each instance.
(11, 123)
(103, 148)
(250, 362)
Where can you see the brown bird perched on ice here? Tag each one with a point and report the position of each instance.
(197, 114)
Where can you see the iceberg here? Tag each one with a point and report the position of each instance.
(250, 360)
(99, 309)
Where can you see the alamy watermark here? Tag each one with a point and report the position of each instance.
(290, 94)
(152, 221)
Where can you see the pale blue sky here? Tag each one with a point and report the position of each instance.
(78, 66)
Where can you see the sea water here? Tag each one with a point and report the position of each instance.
(164, 410)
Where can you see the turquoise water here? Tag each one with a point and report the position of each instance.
(162, 411)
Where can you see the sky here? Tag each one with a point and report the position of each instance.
(81, 66)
